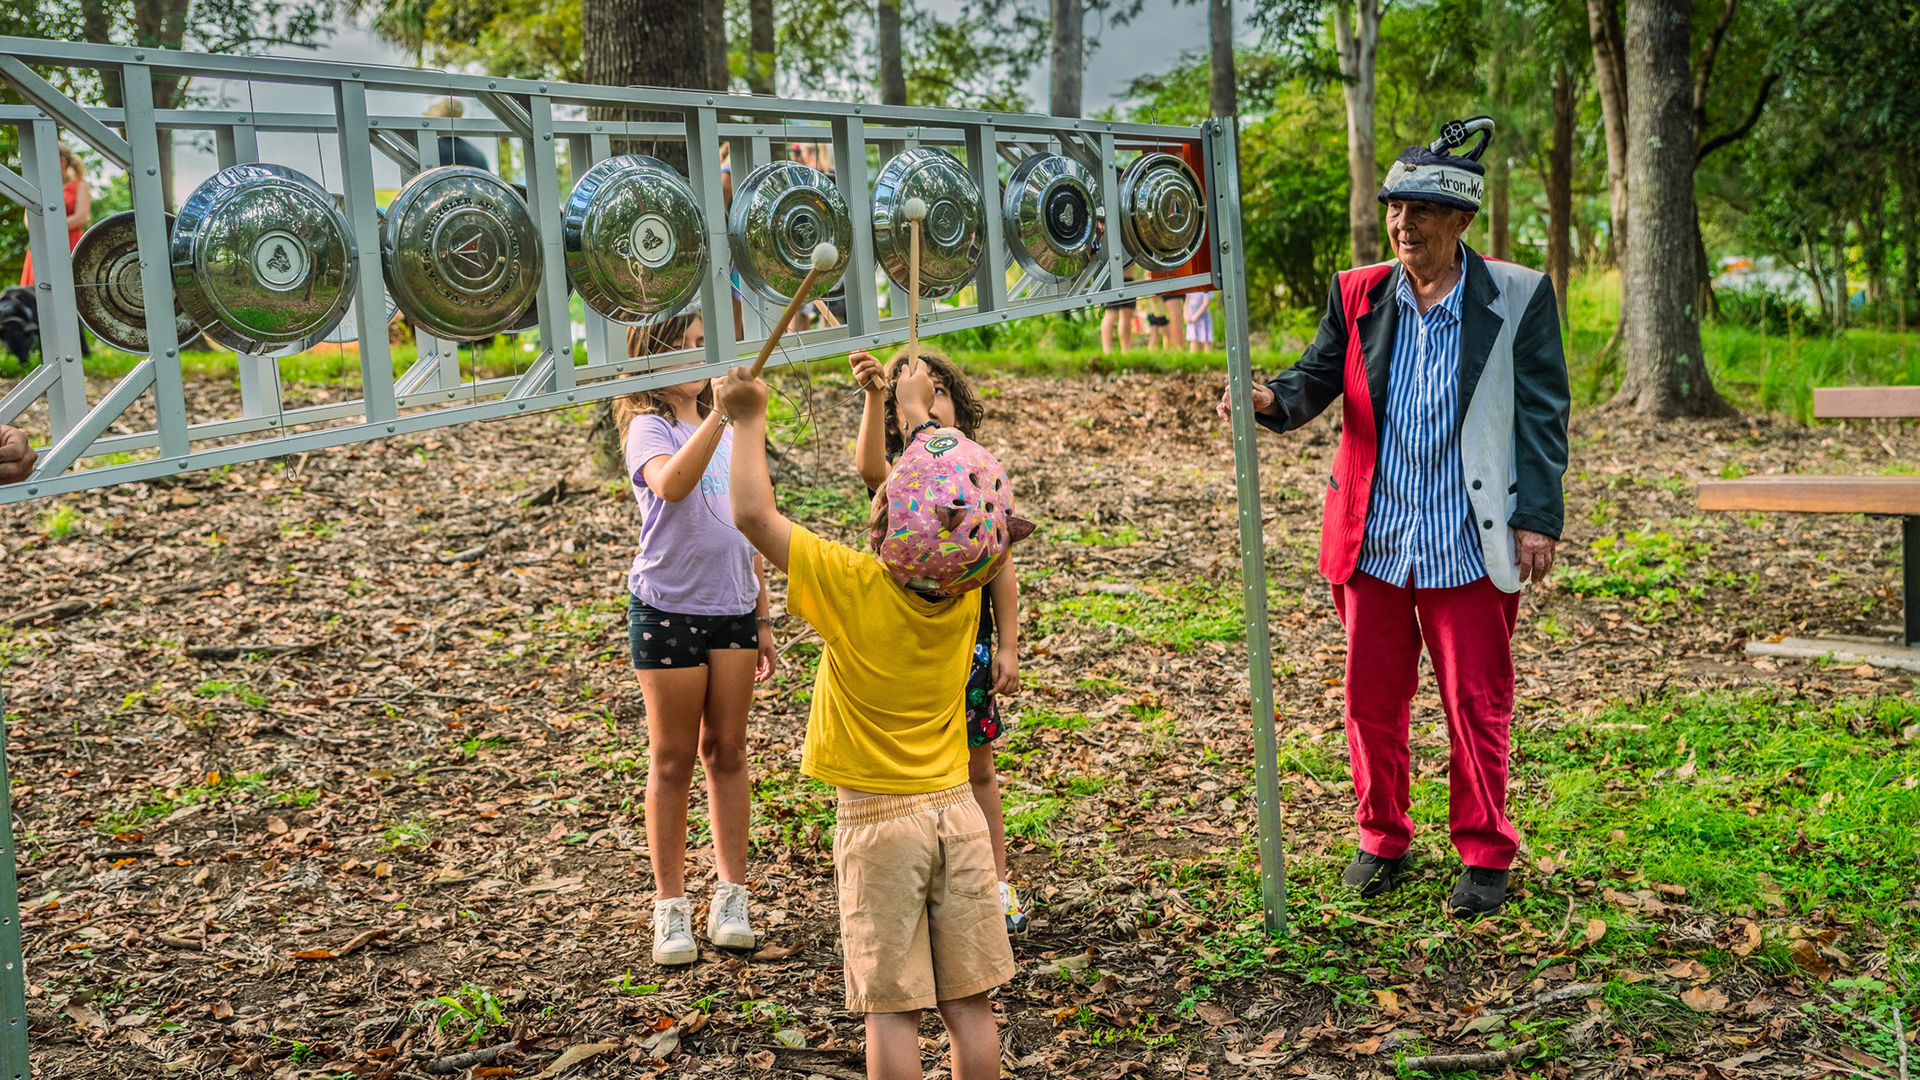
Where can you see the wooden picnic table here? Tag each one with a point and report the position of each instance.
(1866, 402)
(1885, 495)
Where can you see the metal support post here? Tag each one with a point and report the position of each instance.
(990, 280)
(259, 375)
(363, 219)
(441, 354)
(545, 197)
(850, 169)
(716, 292)
(53, 278)
(1110, 242)
(1223, 191)
(156, 272)
(1910, 579)
(13, 963)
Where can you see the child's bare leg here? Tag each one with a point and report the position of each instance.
(674, 702)
(723, 752)
(973, 1035)
(1107, 321)
(893, 1045)
(985, 782)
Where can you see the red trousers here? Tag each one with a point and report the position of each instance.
(1468, 633)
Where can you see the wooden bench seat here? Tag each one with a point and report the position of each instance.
(1888, 495)
(1866, 402)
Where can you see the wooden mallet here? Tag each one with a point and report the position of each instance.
(824, 255)
(915, 211)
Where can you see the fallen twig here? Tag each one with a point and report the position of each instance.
(50, 613)
(454, 1063)
(1491, 1059)
(235, 652)
(1570, 992)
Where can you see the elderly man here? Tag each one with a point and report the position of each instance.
(1444, 496)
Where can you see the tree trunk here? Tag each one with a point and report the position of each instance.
(1666, 367)
(1221, 96)
(1610, 79)
(760, 67)
(893, 74)
(1499, 207)
(1560, 187)
(718, 74)
(1068, 56)
(620, 46)
(1842, 300)
(1703, 271)
(1356, 34)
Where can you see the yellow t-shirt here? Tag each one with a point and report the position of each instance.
(889, 709)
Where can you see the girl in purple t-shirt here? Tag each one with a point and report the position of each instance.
(700, 635)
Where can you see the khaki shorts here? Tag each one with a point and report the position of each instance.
(920, 917)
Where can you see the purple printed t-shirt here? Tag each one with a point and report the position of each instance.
(692, 560)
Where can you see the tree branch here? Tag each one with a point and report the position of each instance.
(1709, 54)
(1738, 133)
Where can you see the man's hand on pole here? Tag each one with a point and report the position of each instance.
(1262, 400)
(1534, 553)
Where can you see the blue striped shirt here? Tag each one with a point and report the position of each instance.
(1419, 524)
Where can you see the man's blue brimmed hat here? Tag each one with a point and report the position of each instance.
(1431, 174)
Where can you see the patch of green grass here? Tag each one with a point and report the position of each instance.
(237, 689)
(1657, 570)
(1119, 536)
(1734, 796)
(59, 521)
(156, 805)
(1030, 816)
(469, 1012)
(1173, 615)
(414, 833)
(839, 506)
(796, 809)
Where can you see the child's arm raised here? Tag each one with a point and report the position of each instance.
(754, 511)
(1005, 592)
(674, 477)
(870, 445)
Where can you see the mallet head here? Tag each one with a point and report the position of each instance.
(914, 209)
(825, 255)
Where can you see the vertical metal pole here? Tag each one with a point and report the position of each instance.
(543, 197)
(363, 221)
(237, 145)
(53, 278)
(1223, 190)
(716, 292)
(1111, 245)
(755, 320)
(13, 964)
(444, 355)
(850, 169)
(156, 270)
(1910, 578)
(991, 278)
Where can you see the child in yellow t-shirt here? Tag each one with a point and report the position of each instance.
(920, 917)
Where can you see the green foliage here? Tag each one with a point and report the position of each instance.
(1176, 616)
(469, 1012)
(236, 787)
(1653, 567)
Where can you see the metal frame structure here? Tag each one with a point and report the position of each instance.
(541, 117)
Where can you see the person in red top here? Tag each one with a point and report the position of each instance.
(79, 205)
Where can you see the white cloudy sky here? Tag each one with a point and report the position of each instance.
(1165, 30)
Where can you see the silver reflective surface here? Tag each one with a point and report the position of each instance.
(635, 240)
(1050, 205)
(459, 252)
(1162, 220)
(780, 212)
(950, 235)
(262, 260)
(107, 289)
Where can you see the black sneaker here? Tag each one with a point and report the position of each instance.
(1479, 891)
(1373, 874)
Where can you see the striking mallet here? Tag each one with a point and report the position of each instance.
(915, 211)
(824, 255)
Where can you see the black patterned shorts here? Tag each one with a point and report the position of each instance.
(983, 713)
(666, 639)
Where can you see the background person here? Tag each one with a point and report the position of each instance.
(1445, 496)
(79, 199)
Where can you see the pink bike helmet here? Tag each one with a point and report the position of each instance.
(949, 516)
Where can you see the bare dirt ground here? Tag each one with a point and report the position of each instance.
(331, 766)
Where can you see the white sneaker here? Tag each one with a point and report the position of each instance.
(673, 932)
(728, 924)
(1010, 903)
